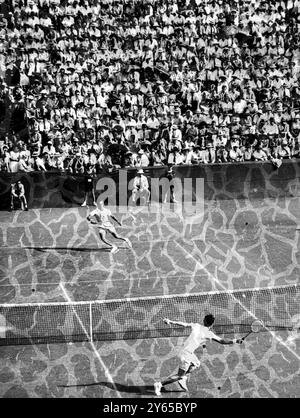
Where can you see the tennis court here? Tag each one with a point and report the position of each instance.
(52, 256)
(261, 368)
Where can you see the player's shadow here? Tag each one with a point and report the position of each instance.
(80, 249)
(136, 389)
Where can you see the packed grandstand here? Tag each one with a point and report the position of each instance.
(91, 85)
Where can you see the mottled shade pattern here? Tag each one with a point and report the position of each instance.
(248, 238)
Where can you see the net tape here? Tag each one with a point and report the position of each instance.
(142, 317)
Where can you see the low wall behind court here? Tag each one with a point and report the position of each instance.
(221, 181)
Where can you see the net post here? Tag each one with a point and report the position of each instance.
(91, 322)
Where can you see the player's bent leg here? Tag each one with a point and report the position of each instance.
(182, 375)
(117, 236)
(183, 382)
(102, 235)
(181, 372)
(159, 385)
(189, 362)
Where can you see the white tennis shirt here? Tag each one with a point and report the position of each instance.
(198, 336)
(103, 215)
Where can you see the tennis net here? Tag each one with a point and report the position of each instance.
(139, 318)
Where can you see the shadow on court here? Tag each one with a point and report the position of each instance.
(44, 249)
(146, 389)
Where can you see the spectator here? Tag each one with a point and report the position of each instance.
(175, 157)
(142, 159)
(18, 194)
(284, 150)
(259, 154)
(23, 165)
(89, 188)
(14, 157)
(140, 187)
(235, 154)
(170, 194)
(5, 158)
(37, 162)
(248, 154)
(221, 154)
(49, 149)
(105, 161)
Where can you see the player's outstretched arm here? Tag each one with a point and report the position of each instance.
(225, 341)
(182, 324)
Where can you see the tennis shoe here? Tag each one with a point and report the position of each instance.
(182, 383)
(157, 388)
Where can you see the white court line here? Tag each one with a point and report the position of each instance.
(240, 303)
(107, 373)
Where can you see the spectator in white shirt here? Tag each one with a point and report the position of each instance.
(49, 149)
(239, 105)
(140, 187)
(259, 154)
(23, 164)
(142, 159)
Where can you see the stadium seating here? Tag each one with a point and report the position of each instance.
(90, 85)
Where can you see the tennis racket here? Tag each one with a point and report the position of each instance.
(256, 326)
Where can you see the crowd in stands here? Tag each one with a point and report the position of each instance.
(92, 85)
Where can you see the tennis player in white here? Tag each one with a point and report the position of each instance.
(100, 217)
(189, 361)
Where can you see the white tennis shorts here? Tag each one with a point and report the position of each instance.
(188, 359)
